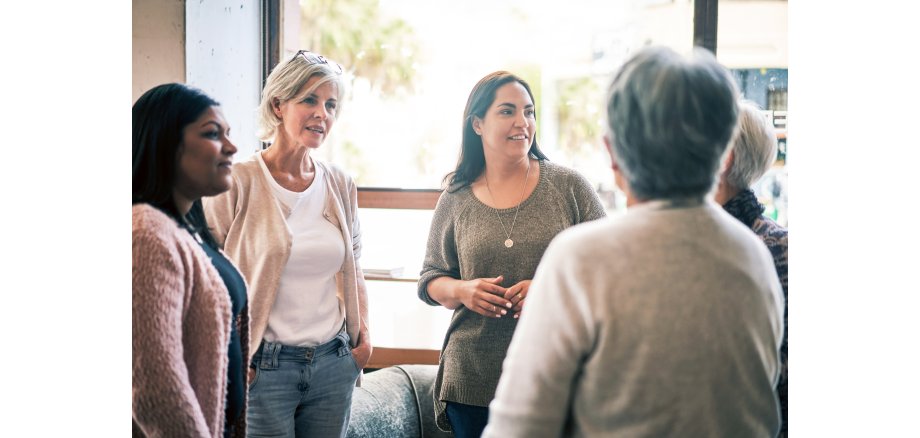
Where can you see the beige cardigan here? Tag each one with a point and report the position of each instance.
(251, 226)
(180, 330)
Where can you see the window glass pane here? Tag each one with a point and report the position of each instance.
(398, 319)
(753, 44)
(410, 65)
(411, 70)
(395, 240)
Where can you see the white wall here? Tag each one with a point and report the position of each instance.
(223, 56)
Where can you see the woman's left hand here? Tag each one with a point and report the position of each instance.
(362, 352)
(516, 294)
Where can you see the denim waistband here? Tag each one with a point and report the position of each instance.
(269, 353)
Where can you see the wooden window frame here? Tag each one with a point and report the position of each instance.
(393, 198)
(271, 37)
(706, 24)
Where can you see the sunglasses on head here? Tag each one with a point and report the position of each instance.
(313, 58)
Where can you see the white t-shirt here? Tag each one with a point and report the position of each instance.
(307, 311)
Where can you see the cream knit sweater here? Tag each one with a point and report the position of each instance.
(665, 322)
(251, 227)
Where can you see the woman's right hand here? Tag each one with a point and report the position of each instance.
(484, 296)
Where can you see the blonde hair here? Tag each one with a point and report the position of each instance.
(285, 83)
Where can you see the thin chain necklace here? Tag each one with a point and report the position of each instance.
(508, 242)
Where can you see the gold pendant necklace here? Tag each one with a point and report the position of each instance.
(508, 242)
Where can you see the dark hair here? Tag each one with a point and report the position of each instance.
(158, 118)
(472, 159)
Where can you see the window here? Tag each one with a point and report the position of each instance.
(753, 44)
(410, 65)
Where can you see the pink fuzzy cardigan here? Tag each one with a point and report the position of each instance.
(180, 333)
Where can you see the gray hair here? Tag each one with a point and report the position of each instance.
(754, 147)
(285, 83)
(670, 120)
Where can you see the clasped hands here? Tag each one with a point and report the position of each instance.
(485, 297)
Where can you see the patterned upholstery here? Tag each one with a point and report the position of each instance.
(394, 402)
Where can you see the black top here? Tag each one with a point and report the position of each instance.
(236, 379)
(746, 208)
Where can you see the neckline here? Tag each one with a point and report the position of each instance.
(523, 203)
(318, 173)
(673, 204)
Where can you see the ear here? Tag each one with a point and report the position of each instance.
(276, 106)
(613, 159)
(727, 162)
(477, 125)
(617, 174)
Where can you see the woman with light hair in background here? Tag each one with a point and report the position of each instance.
(666, 321)
(290, 222)
(753, 153)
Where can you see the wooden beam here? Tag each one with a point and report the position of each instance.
(271, 40)
(417, 199)
(706, 24)
(383, 357)
(271, 37)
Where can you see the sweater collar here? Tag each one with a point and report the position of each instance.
(745, 207)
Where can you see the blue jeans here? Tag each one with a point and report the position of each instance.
(467, 420)
(301, 391)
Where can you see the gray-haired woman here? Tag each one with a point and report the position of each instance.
(290, 222)
(752, 154)
(665, 321)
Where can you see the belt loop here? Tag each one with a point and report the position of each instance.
(269, 358)
(265, 356)
(276, 351)
(343, 338)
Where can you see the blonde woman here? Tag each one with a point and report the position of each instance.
(290, 222)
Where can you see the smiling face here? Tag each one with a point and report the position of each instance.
(308, 120)
(205, 156)
(508, 126)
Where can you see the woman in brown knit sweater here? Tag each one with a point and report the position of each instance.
(503, 204)
(189, 313)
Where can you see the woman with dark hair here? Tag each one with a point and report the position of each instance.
(189, 311)
(502, 205)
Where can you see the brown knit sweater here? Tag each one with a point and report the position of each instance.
(466, 242)
(180, 333)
